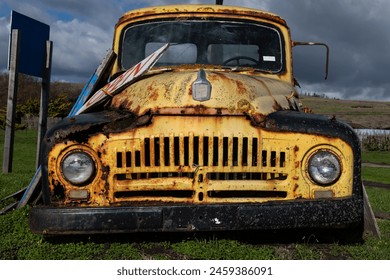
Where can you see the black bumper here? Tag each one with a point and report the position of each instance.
(340, 213)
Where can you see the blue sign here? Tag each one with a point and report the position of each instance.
(32, 45)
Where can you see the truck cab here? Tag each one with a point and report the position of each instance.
(212, 137)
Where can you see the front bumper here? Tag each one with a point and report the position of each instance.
(339, 213)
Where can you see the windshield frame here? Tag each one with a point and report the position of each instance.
(261, 24)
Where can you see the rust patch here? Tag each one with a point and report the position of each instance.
(123, 104)
(190, 91)
(200, 109)
(105, 172)
(218, 76)
(245, 105)
(153, 91)
(241, 89)
(308, 110)
(258, 118)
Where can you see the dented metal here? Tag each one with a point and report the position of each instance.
(251, 94)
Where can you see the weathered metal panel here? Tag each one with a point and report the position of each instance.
(201, 11)
(231, 92)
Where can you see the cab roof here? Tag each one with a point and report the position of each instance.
(199, 10)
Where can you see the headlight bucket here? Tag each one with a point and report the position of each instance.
(324, 167)
(78, 167)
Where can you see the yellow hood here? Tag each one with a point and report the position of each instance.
(231, 93)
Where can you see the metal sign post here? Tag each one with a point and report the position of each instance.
(29, 53)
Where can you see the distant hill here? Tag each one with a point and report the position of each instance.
(358, 114)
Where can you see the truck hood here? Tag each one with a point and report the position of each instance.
(231, 94)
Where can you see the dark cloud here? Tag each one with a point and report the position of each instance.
(357, 34)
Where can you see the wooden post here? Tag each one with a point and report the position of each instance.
(370, 224)
(45, 92)
(11, 103)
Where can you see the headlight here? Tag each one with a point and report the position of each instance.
(78, 168)
(324, 167)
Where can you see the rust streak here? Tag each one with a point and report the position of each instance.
(241, 89)
(153, 91)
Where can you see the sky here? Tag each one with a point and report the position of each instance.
(357, 32)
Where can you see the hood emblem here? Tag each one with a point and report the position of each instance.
(201, 88)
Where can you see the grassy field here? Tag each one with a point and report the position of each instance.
(377, 157)
(17, 242)
(359, 114)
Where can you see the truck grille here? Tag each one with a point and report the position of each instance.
(165, 157)
(200, 151)
(218, 165)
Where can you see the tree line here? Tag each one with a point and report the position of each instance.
(61, 99)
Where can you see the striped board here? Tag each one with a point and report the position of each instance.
(123, 80)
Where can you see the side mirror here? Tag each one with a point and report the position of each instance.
(316, 44)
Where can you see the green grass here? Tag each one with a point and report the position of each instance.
(232, 249)
(379, 199)
(376, 174)
(378, 157)
(23, 164)
(17, 242)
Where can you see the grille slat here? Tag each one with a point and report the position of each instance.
(190, 149)
(181, 148)
(220, 150)
(162, 150)
(171, 145)
(201, 151)
(143, 154)
(152, 152)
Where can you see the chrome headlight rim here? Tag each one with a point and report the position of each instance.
(90, 171)
(331, 164)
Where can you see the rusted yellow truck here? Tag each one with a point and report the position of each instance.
(212, 137)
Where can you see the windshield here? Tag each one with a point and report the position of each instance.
(231, 44)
